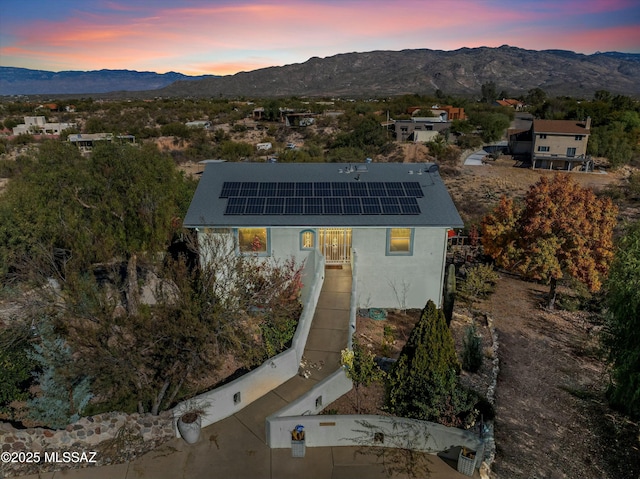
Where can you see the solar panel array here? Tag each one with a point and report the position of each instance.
(322, 198)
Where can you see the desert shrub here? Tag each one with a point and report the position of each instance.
(8, 168)
(471, 350)
(480, 282)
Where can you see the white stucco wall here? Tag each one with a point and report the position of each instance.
(384, 281)
(416, 278)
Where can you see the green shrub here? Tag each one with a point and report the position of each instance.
(480, 282)
(423, 383)
(471, 350)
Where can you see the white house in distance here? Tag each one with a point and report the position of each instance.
(39, 125)
(394, 216)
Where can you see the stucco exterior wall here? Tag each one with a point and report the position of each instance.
(384, 281)
(400, 281)
(558, 144)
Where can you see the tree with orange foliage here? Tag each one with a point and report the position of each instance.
(560, 229)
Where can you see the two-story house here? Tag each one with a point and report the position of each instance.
(560, 144)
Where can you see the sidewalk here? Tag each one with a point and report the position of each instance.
(235, 448)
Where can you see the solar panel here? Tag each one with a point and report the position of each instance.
(376, 188)
(230, 188)
(322, 188)
(351, 206)
(358, 189)
(322, 198)
(371, 206)
(235, 206)
(304, 189)
(293, 206)
(313, 206)
(249, 189)
(390, 206)
(409, 206)
(340, 189)
(274, 206)
(394, 188)
(413, 188)
(267, 189)
(255, 206)
(286, 189)
(332, 206)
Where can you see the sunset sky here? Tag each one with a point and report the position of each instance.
(226, 36)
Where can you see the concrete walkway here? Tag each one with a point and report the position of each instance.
(236, 447)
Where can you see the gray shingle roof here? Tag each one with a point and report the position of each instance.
(208, 208)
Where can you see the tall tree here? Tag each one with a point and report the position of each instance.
(560, 229)
(623, 323)
(423, 383)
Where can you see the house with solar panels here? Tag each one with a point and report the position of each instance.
(394, 217)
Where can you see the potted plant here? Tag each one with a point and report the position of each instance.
(190, 421)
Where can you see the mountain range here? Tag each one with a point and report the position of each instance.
(371, 74)
(22, 81)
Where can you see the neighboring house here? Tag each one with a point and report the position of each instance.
(560, 144)
(86, 141)
(450, 112)
(38, 125)
(424, 136)
(453, 113)
(517, 105)
(199, 124)
(554, 144)
(520, 143)
(395, 217)
(404, 129)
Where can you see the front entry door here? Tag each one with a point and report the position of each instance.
(335, 245)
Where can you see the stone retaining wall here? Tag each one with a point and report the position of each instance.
(489, 438)
(108, 438)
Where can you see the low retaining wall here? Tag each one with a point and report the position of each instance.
(364, 430)
(109, 438)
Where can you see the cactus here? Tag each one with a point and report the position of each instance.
(449, 293)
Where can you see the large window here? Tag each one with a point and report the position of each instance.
(571, 152)
(253, 240)
(400, 241)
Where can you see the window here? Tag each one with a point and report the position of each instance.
(543, 136)
(253, 240)
(400, 241)
(571, 152)
(578, 137)
(307, 239)
(543, 148)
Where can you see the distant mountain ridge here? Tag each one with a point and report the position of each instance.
(22, 81)
(371, 74)
(459, 72)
